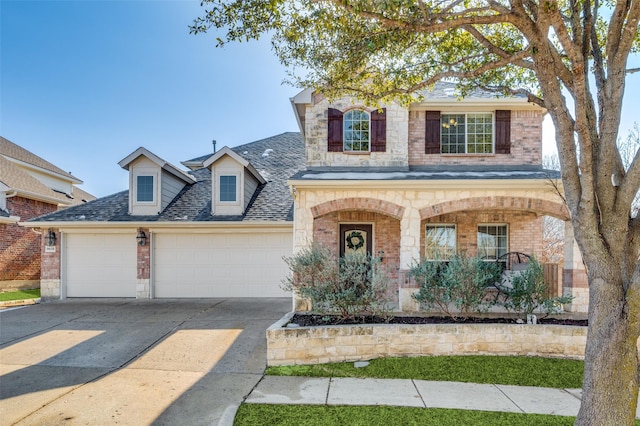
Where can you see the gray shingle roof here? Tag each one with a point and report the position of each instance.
(272, 201)
(431, 173)
(447, 90)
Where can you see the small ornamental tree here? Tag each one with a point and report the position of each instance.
(456, 288)
(527, 292)
(352, 286)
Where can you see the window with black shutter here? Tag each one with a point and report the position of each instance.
(334, 133)
(379, 130)
(357, 130)
(503, 132)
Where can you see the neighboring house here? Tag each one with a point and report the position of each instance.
(439, 177)
(29, 187)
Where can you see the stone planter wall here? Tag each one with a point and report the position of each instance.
(318, 345)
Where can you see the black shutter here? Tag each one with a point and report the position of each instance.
(334, 130)
(379, 131)
(432, 133)
(503, 132)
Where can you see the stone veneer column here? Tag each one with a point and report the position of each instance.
(50, 287)
(574, 276)
(409, 251)
(143, 285)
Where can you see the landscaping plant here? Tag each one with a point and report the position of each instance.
(352, 286)
(456, 288)
(527, 292)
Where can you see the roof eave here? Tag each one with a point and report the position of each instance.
(41, 197)
(435, 184)
(505, 103)
(154, 226)
(9, 220)
(67, 177)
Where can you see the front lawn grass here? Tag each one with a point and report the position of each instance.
(19, 295)
(310, 415)
(503, 370)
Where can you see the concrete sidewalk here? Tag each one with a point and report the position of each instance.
(416, 393)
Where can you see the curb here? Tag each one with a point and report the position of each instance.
(22, 302)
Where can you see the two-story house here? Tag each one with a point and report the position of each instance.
(442, 176)
(425, 181)
(30, 186)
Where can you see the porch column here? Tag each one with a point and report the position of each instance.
(50, 282)
(574, 275)
(409, 252)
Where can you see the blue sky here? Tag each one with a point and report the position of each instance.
(85, 83)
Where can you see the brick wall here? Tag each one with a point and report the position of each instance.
(144, 258)
(51, 260)
(386, 237)
(526, 143)
(20, 247)
(525, 229)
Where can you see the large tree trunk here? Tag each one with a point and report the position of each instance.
(611, 376)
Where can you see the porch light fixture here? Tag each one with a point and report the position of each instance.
(50, 238)
(141, 237)
(381, 255)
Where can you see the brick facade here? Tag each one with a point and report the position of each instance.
(143, 283)
(20, 247)
(524, 229)
(386, 238)
(526, 143)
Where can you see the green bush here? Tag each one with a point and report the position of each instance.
(351, 286)
(456, 288)
(527, 292)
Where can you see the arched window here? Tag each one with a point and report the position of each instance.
(356, 130)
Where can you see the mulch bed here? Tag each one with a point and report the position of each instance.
(309, 320)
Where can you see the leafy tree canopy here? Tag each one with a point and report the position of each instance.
(568, 56)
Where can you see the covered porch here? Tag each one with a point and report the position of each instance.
(406, 221)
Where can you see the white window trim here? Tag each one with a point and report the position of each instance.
(466, 134)
(156, 182)
(506, 225)
(351, 151)
(219, 188)
(440, 225)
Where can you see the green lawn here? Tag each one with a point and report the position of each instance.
(322, 415)
(19, 295)
(522, 371)
(504, 370)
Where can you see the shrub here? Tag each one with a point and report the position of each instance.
(456, 288)
(527, 292)
(351, 286)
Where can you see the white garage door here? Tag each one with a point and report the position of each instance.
(100, 265)
(221, 265)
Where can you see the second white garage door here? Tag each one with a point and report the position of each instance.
(220, 265)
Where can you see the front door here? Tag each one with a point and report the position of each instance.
(356, 237)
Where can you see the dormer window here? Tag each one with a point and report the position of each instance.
(356, 131)
(228, 188)
(144, 189)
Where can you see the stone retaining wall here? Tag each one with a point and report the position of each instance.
(318, 345)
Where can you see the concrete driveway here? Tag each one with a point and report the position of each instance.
(132, 362)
